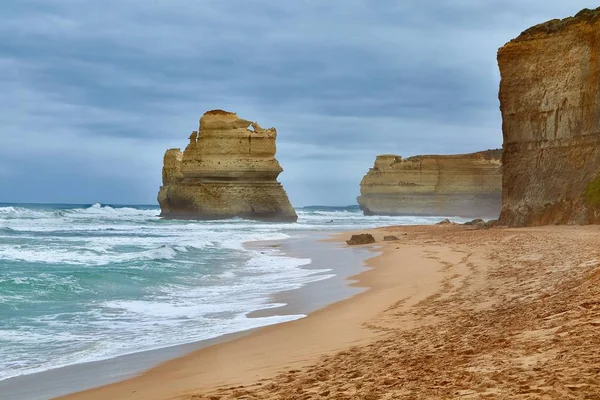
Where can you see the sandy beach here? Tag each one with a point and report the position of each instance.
(451, 312)
(331, 265)
(277, 200)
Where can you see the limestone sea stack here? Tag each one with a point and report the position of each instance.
(465, 185)
(227, 170)
(550, 104)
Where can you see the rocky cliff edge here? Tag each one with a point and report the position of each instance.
(550, 103)
(467, 185)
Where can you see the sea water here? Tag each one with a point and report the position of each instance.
(82, 283)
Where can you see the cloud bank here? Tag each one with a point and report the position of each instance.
(93, 93)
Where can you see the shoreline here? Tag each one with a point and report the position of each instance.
(335, 260)
(88, 375)
(453, 312)
(265, 351)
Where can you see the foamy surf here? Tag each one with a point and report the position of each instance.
(86, 283)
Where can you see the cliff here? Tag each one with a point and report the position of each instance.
(466, 185)
(227, 170)
(550, 104)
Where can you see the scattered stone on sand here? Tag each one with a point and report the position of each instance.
(363, 238)
(517, 316)
(481, 224)
(390, 238)
(476, 221)
(445, 222)
(491, 223)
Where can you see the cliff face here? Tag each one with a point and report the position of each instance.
(550, 103)
(227, 170)
(466, 185)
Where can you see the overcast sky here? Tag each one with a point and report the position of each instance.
(93, 92)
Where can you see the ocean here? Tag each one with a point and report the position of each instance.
(82, 283)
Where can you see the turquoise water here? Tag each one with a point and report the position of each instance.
(81, 283)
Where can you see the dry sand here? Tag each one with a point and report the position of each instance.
(452, 312)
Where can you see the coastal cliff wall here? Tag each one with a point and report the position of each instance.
(467, 185)
(227, 170)
(550, 104)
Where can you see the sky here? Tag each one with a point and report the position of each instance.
(92, 93)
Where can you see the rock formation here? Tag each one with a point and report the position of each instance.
(227, 170)
(362, 238)
(466, 185)
(550, 103)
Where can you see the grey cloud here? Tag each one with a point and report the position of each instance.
(98, 90)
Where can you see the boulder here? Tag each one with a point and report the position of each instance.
(476, 221)
(363, 238)
(491, 223)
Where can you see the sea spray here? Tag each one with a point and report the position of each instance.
(84, 283)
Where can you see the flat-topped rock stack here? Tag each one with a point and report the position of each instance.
(550, 103)
(227, 170)
(466, 185)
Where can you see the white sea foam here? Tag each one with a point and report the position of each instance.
(105, 347)
(118, 280)
(98, 211)
(89, 256)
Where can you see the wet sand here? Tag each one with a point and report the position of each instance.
(337, 259)
(341, 261)
(452, 312)
(291, 345)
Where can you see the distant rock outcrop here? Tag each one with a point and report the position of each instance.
(550, 103)
(466, 185)
(227, 170)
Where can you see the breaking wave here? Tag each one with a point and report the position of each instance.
(88, 282)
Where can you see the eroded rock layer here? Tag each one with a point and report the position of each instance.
(550, 103)
(227, 170)
(467, 185)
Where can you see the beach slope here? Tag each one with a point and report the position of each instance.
(453, 312)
